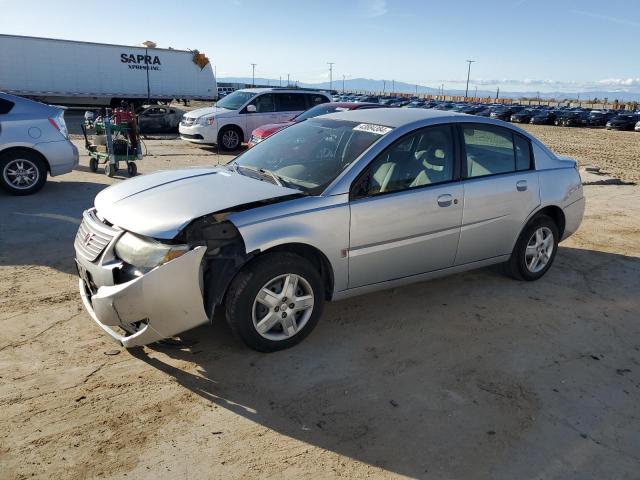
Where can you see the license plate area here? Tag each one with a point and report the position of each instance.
(85, 276)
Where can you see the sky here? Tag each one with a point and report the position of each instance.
(520, 45)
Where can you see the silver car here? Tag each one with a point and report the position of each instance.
(33, 143)
(332, 207)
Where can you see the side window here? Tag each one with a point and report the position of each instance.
(422, 158)
(523, 153)
(5, 106)
(489, 150)
(264, 103)
(315, 99)
(290, 102)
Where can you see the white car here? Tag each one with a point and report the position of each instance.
(231, 120)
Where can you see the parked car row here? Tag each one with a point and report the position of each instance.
(534, 114)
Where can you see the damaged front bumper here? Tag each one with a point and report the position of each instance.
(161, 303)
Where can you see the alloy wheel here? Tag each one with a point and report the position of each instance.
(230, 139)
(282, 307)
(539, 249)
(21, 173)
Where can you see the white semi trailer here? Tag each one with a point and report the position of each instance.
(67, 72)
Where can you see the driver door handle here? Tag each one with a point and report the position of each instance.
(445, 200)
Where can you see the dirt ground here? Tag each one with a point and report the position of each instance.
(472, 376)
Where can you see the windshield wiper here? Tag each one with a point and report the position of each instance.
(276, 178)
(262, 172)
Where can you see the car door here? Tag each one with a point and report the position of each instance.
(500, 190)
(290, 105)
(265, 113)
(406, 209)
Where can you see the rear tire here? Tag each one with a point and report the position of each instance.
(22, 172)
(132, 169)
(275, 302)
(93, 165)
(535, 249)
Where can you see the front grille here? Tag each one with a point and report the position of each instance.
(93, 236)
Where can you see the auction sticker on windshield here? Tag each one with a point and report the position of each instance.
(371, 128)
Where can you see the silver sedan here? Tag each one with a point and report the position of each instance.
(34, 142)
(332, 207)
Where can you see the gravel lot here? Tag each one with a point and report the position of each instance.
(471, 376)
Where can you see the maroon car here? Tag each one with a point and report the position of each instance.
(260, 133)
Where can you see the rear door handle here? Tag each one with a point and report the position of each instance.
(445, 200)
(521, 185)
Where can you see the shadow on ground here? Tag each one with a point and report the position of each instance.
(39, 229)
(470, 376)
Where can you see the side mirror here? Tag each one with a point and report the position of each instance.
(251, 109)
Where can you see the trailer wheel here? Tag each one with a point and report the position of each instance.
(132, 169)
(109, 169)
(93, 165)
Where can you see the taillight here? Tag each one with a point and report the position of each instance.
(59, 124)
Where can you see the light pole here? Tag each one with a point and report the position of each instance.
(343, 84)
(331, 64)
(288, 82)
(393, 86)
(476, 94)
(253, 74)
(466, 92)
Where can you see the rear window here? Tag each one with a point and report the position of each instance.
(5, 106)
(493, 150)
(315, 99)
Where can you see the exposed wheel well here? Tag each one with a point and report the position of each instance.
(29, 150)
(557, 215)
(316, 257)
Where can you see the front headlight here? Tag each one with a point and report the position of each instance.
(207, 120)
(146, 253)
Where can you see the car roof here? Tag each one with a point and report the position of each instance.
(350, 105)
(394, 117)
(280, 90)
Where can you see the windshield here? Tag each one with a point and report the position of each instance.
(235, 100)
(318, 110)
(311, 154)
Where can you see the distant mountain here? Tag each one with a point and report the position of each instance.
(388, 86)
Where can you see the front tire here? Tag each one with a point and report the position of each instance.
(275, 302)
(22, 172)
(535, 249)
(229, 139)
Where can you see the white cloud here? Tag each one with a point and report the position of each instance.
(374, 8)
(615, 84)
(597, 16)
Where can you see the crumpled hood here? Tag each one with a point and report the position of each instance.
(206, 112)
(161, 204)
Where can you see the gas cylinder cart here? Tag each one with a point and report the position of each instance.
(111, 139)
